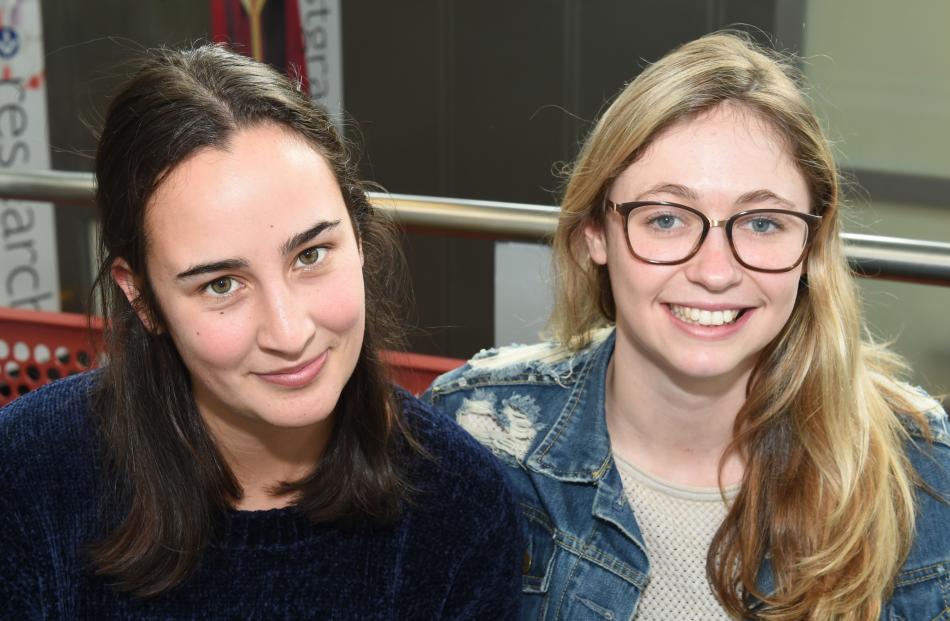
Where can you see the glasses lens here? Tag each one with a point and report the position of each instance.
(663, 232)
(769, 240)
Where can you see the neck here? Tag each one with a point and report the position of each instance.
(678, 429)
(262, 456)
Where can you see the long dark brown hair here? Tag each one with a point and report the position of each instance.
(168, 485)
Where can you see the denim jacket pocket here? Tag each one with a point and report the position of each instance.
(538, 562)
(540, 550)
(921, 594)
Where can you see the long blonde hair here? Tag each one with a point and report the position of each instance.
(828, 493)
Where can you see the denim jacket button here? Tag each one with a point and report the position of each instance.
(525, 563)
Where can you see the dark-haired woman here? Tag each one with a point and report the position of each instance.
(243, 454)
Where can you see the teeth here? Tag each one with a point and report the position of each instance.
(705, 317)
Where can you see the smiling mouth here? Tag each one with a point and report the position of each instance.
(300, 375)
(704, 317)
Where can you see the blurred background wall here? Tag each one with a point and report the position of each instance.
(488, 99)
(881, 78)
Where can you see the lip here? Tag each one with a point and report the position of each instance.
(713, 333)
(711, 307)
(296, 376)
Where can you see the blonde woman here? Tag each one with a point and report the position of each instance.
(708, 436)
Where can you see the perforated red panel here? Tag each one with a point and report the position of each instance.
(415, 372)
(38, 347)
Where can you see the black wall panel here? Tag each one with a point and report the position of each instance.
(484, 99)
(90, 46)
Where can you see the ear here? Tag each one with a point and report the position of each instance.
(129, 283)
(596, 238)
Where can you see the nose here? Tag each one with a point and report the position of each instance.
(285, 326)
(714, 266)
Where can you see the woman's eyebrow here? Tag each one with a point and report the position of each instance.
(764, 196)
(680, 191)
(224, 265)
(286, 248)
(302, 238)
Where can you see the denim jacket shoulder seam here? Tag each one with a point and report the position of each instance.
(469, 383)
(546, 363)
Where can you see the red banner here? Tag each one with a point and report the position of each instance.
(268, 30)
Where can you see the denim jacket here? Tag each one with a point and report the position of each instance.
(540, 409)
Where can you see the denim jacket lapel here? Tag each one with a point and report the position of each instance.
(577, 448)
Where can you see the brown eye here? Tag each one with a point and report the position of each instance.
(312, 256)
(221, 286)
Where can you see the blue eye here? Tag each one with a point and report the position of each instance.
(665, 221)
(764, 225)
(311, 256)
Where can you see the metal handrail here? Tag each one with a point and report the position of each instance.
(890, 258)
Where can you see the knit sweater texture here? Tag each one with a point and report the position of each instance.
(454, 554)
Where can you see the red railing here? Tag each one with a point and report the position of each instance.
(39, 347)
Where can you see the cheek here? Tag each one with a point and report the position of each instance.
(212, 340)
(635, 283)
(782, 290)
(339, 304)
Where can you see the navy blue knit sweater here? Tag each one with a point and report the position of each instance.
(456, 555)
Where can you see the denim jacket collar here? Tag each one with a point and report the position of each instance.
(540, 408)
(577, 446)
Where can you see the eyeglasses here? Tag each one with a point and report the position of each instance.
(764, 240)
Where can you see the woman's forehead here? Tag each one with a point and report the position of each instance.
(728, 150)
(265, 186)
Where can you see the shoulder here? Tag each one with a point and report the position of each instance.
(50, 413)
(463, 523)
(48, 432)
(547, 362)
(506, 397)
(929, 453)
(929, 448)
(921, 585)
(448, 454)
(453, 474)
(921, 402)
(49, 492)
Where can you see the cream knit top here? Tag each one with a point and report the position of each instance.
(678, 524)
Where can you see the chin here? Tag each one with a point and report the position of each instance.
(291, 413)
(281, 420)
(708, 367)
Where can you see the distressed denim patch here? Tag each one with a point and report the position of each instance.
(508, 430)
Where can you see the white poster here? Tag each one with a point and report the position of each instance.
(323, 53)
(29, 275)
